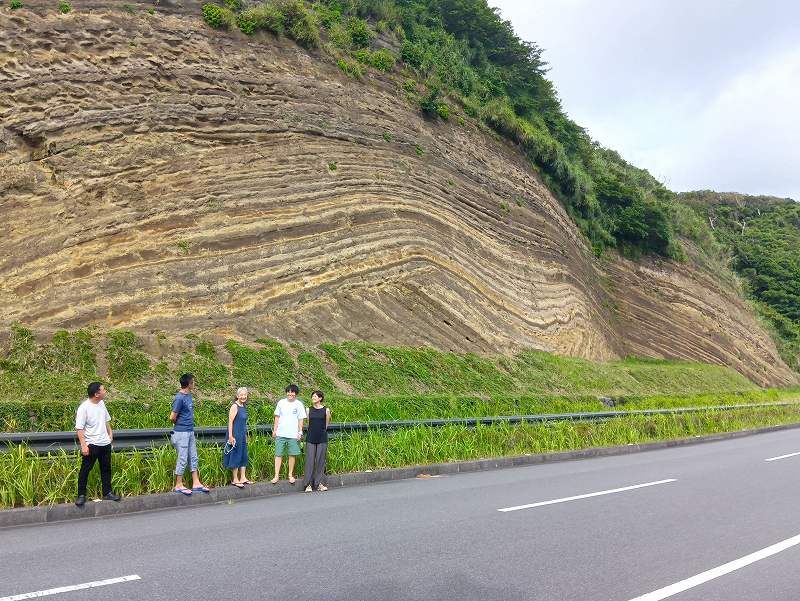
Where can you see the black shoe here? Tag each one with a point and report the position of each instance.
(112, 497)
(80, 501)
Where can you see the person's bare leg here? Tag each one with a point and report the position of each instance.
(196, 479)
(178, 482)
(235, 476)
(278, 460)
(243, 476)
(291, 469)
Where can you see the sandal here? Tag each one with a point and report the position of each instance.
(292, 480)
(248, 482)
(238, 484)
(182, 491)
(274, 481)
(202, 489)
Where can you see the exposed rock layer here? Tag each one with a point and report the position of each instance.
(158, 175)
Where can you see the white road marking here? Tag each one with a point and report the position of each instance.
(782, 456)
(586, 496)
(74, 587)
(679, 587)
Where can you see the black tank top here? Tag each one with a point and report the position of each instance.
(317, 432)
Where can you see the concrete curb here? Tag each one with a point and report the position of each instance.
(24, 516)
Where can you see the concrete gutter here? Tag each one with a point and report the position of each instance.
(24, 516)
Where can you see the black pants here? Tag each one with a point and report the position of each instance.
(103, 455)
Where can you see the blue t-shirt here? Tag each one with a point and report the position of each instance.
(184, 407)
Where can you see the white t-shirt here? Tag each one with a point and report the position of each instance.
(289, 414)
(91, 418)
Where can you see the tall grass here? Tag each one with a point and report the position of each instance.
(60, 415)
(29, 479)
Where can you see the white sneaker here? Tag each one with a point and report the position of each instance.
(308, 488)
(322, 488)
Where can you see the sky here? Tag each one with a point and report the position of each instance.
(704, 94)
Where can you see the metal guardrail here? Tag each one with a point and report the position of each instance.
(125, 440)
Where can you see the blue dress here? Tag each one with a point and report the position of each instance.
(238, 456)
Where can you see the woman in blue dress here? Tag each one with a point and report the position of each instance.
(235, 456)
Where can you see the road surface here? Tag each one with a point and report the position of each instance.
(711, 522)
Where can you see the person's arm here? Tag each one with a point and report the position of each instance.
(327, 417)
(176, 406)
(80, 424)
(232, 416)
(108, 428)
(300, 423)
(275, 422)
(82, 440)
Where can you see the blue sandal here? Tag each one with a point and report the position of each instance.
(182, 491)
(202, 489)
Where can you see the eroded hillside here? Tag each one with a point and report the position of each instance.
(159, 175)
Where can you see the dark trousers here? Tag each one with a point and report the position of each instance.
(103, 455)
(316, 457)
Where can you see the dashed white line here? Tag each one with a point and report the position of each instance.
(586, 496)
(782, 456)
(74, 587)
(679, 587)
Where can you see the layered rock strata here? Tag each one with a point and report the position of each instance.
(159, 175)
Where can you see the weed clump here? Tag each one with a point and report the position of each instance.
(358, 30)
(350, 68)
(217, 16)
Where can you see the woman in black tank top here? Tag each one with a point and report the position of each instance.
(319, 417)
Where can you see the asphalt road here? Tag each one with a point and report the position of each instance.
(444, 538)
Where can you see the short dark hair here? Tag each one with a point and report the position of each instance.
(93, 388)
(320, 394)
(293, 388)
(186, 379)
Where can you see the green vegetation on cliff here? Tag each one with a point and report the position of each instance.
(761, 235)
(41, 384)
(471, 64)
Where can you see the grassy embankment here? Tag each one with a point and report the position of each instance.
(41, 385)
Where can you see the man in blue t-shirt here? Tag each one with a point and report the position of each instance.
(183, 437)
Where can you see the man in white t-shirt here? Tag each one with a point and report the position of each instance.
(92, 422)
(288, 430)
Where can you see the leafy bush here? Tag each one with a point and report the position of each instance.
(64, 7)
(412, 54)
(266, 17)
(350, 68)
(358, 30)
(217, 16)
(15, 4)
(383, 60)
(410, 85)
(248, 22)
(339, 37)
(432, 106)
(234, 5)
(329, 14)
(300, 24)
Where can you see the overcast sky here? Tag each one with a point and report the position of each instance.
(702, 93)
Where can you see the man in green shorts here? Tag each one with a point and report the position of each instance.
(288, 430)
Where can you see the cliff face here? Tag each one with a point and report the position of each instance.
(158, 175)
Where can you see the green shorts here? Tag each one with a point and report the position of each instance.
(281, 444)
